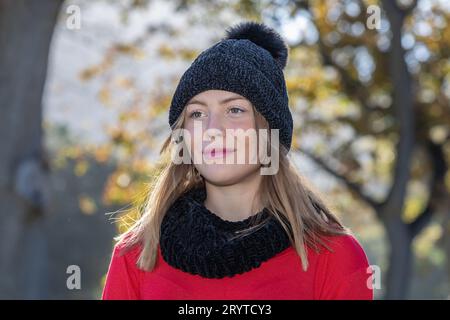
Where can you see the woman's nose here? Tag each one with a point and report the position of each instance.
(215, 125)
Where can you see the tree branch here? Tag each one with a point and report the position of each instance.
(352, 87)
(405, 10)
(439, 167)
(350, 185)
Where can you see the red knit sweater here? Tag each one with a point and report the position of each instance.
(341, 274)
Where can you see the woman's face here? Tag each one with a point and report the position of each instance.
(222, 158)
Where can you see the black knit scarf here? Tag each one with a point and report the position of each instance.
(198, 241)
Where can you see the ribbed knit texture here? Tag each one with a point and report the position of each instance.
(198, 241)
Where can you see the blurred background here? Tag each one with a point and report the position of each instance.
(84, 92)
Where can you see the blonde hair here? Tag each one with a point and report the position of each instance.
(299, 208)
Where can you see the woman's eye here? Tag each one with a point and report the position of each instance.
(195, 114)
(236, 110)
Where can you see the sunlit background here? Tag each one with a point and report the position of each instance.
(85, 113)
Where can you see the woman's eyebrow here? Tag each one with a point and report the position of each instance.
(195, 101)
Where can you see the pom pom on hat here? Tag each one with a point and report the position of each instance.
(263, 36)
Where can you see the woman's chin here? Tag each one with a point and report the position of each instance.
(220, 173)
(223, 174)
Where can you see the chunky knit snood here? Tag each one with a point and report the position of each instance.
(196, 240)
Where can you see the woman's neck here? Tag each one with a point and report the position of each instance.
(235, 202)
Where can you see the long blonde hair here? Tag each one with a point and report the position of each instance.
(297, 205)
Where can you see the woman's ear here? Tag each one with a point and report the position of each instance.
(179, 139)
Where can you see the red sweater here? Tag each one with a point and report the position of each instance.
(341, 274)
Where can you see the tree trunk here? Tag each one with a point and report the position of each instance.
(400, 259)
(26, 29)
(400, 262)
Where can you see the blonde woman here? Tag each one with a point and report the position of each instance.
(229, 217)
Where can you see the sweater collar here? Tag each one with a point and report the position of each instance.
(196, 240)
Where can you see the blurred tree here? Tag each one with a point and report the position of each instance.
(408, 122)
(388, 84)
(26, 28)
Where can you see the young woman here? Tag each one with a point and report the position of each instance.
(216, 225)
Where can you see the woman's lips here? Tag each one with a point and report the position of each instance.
(217, 153)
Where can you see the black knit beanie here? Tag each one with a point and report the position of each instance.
(249, 61)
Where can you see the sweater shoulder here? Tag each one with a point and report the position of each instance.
(346, 253)
(127, 254)
(344, 271)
